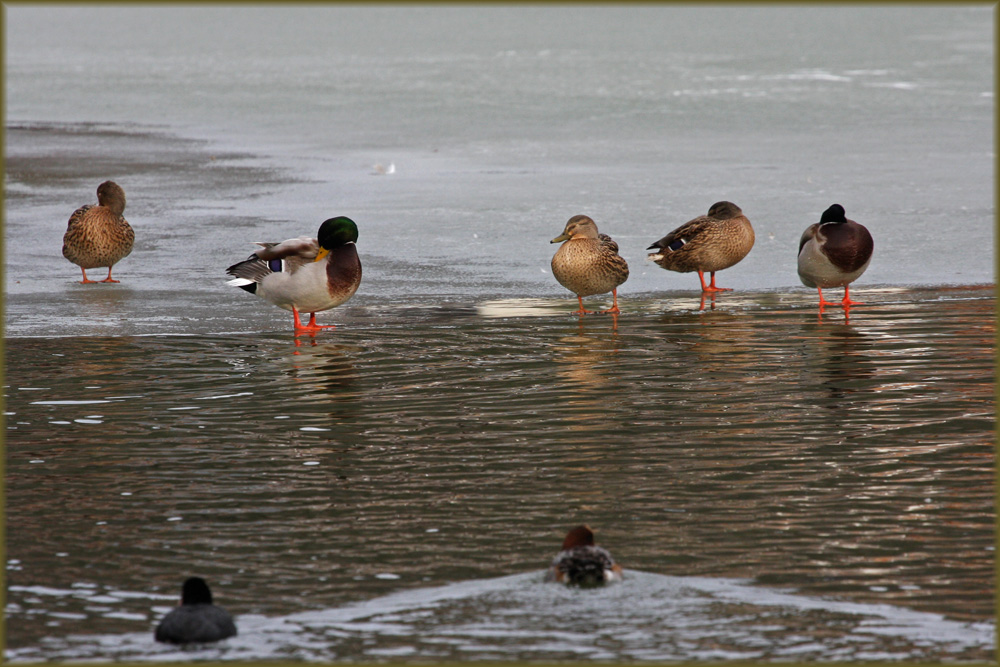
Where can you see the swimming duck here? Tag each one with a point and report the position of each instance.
(99, 235)
(588, 263)
(305, 274)
(832, 252)
(196, 619)
(710, 243)
(582, 563)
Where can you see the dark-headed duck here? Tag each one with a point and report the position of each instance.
(196, 619)
(834, 252)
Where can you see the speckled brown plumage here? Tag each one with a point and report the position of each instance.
(709, 243)
(588, 263)
(99, 235)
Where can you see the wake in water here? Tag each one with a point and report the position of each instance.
(518, 617)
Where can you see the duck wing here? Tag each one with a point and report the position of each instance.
(78, 215)
(287, 256)
(608, 242)
(684, 234)
(808, 235)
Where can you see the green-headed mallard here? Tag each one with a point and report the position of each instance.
(588, 263)
(583, 563)
(196, 620)
(305, 274)
(99, 235)
(710, 243)
(832, 252)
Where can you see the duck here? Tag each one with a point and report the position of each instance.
(305, 274)
(708, 243)
(834, 252)
(196, 619)
(588, 263)
(98, 236)
(583, 563)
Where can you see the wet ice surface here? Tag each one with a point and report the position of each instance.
(647, 617)
(497, 138)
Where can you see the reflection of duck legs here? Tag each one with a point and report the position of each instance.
(711, 296)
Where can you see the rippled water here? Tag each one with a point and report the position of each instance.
(847, 463)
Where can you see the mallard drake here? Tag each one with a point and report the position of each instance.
(99, 235)
(832, 252)
(305, 274)
(196, 620)
(710, 243)
(588, 263)
(582, 563)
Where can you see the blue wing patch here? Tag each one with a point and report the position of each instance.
(275, 265)
(677, 244)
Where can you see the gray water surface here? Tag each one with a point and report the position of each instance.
(838, 460)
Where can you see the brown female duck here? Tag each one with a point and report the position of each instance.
(710, 243)
(588, 263)
(99, 235)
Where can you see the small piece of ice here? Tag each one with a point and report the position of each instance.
(386, 575)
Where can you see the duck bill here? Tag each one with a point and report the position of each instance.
(561, 237)
(323, 252)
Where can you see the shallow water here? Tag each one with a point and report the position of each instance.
(777, 482)
(840, 460)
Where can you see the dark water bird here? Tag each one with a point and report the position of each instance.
(196, 620)
(305, 274)
(583, 563)
(588, 263)
(99, 235)
(834, 252)
(709, 243)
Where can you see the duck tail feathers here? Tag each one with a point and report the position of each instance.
(248, 273)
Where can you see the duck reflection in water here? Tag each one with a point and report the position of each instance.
(325, 375)
(583, 563)
(847, 366)
(581, 356)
